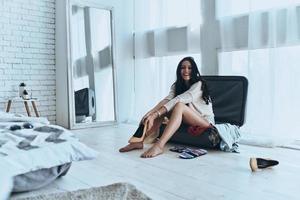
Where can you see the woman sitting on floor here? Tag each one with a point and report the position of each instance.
(188, 102)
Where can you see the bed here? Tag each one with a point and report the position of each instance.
(5, 185)
(36, 153)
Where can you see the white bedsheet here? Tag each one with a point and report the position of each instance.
(12, 117)
(27, 150)
(5, 185)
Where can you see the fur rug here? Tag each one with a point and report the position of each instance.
(117, 191)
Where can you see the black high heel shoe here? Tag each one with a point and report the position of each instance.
(261, 163)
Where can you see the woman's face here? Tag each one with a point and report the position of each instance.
(186, 70)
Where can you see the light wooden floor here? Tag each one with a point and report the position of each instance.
(217, 175)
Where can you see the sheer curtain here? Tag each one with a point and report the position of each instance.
(261, 40)
(155, 66)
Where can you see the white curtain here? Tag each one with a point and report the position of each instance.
(261, 40)
(155, 66)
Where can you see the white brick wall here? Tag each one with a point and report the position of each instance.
(27, 53)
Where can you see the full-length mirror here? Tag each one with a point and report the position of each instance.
(92, 67)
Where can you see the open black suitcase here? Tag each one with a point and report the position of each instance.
(228, 94)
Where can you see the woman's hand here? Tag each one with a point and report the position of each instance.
(149, 121)
(145, 117)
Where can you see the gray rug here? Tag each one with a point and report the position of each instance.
(109, 192)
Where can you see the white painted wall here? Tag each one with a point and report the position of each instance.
(27, 52)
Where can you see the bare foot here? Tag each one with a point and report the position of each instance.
(132, 146)
(155, 150)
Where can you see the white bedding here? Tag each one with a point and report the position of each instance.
(44, 146)
(5, 185)
(10, 117)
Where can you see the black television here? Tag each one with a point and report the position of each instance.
(85, 102)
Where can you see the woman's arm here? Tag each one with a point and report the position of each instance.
(158, 111)
(187, 97)
(160, 104)
(170, 96)
(155, 109)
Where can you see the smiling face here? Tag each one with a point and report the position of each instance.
(186, 70)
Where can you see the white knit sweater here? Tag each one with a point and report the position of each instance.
(192, 97)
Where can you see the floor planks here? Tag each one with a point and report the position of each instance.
(217, 175)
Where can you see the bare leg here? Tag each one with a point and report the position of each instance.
(139, 145)
(180, 113)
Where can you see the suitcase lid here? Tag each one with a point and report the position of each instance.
(228, 94)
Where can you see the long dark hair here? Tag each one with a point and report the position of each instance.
(181, 87)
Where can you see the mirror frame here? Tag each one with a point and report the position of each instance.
(72, 118)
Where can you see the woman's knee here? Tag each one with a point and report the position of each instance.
(179, 106)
